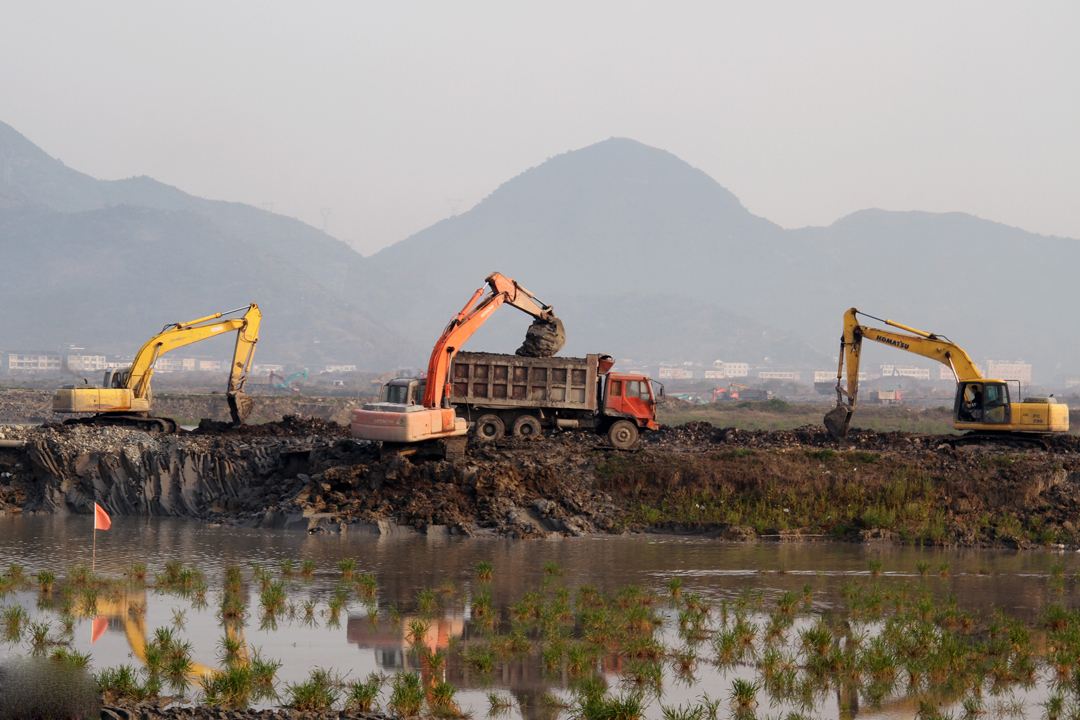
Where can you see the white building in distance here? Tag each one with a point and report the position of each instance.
(340, 368)
(1009, 370)
(786, 375)
(85, 363)
(675, 373)
(723, 369)
(914, 373)
(34, 362)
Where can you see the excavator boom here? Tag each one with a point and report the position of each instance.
(476, 312)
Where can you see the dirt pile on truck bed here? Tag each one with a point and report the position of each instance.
(544, 338)
(308, 474)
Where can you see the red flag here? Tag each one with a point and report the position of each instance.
(102, 521)
(97, 628)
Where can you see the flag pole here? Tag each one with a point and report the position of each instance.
(93, 553)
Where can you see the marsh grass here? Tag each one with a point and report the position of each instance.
(120, 684)
(406, 695)
(46, 582)
(884, 637)
(367, 585)
(14, 619)
(317, 694)
(363, 695)
(347, 566)
(499, 704)
(484, 571)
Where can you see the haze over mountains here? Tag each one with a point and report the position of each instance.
(642, 255)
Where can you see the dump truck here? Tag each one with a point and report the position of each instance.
(499, 394)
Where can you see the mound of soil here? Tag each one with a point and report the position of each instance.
(308, 474)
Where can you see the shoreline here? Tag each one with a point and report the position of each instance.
(694, 479)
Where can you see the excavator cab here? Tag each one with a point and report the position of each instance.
(984, 401)
(403, 391)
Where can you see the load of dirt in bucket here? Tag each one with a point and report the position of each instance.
(544, 338)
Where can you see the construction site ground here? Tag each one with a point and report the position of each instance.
(796, 484)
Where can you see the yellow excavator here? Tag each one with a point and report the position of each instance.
(983, 407)
(125, 396)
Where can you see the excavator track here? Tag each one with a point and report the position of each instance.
(138, 422)
(1020, 441)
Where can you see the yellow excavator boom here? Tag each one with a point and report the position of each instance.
(127, 391)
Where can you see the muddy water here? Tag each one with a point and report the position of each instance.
(354, 645)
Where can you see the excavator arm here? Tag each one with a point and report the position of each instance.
(500, 290)
(913, 340)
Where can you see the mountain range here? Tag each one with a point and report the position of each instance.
(642, 255)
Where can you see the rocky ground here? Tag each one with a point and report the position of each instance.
(181, 712)
(308, 474)
(34, 406)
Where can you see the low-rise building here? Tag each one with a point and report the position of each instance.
(729, 369)
(784, 375)
(340, 368)
(85, 363)
(267, 368)
(675, 373)
(34, 362)
(905, 371)
(1009, 370)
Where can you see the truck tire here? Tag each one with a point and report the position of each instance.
(525, 427)
(623, 435)
(489, 428)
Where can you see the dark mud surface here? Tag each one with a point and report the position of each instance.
(307, 473)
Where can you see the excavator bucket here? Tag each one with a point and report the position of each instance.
(240, 406)
(544, 338)
(837, 420)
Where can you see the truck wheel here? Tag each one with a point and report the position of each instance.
(623, 434)
(489, 428)
(526, 426)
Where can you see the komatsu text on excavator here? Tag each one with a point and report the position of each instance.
(983, 406)
(125, 396)
(404, 426)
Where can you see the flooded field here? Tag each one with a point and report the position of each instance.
(682, 628)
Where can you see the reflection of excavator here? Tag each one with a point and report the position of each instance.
(288, 382)
(982, 405)
(129, 608)
(403, 425)
(125, 397)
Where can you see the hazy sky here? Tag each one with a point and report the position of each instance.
(393, 114)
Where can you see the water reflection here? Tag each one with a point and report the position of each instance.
(430, 615)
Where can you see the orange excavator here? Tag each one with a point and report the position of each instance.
(405, 427)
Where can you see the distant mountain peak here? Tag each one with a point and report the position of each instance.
(615, 171)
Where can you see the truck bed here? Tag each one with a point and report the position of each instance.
(495, 380)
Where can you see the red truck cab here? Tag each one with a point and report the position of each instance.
(631, 396)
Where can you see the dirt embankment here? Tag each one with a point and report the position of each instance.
(307, 473)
